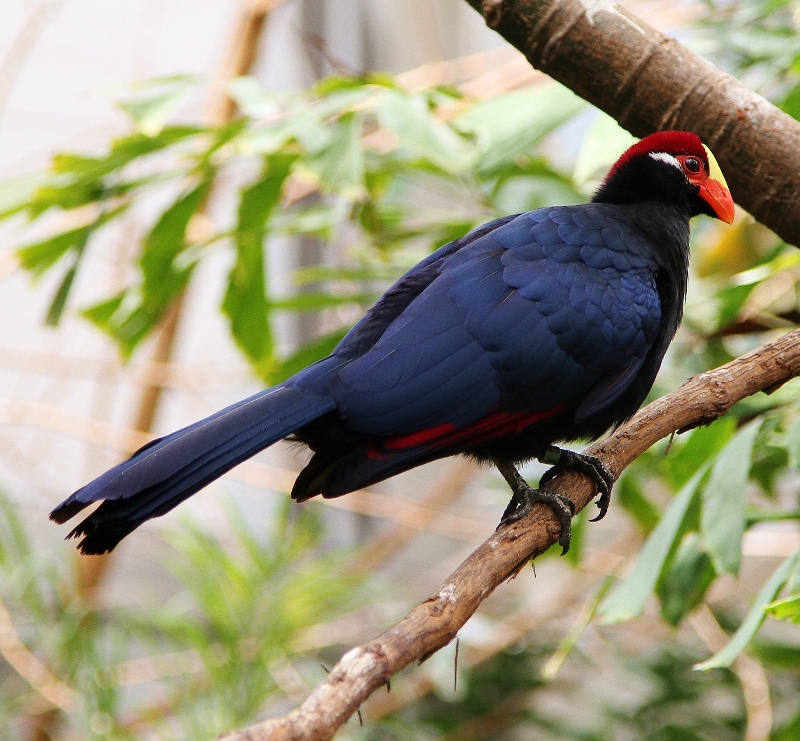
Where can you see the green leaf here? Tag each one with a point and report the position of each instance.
(600, 147)
(792, 442)
(15, 193)
(683, 585)
(339, 166)
(84, 169)
(754, 618)
(64, 195)
(39, 257)
(130, 316)
(335, 83)
(137, 144)
(511, 125)
(730, 301)
(628, 598)
(791, 103)
(559, 656)
(723, 517)
(59, 302)
(76, 179)
(793, 580)
(167, 238)
(103, 314)
(245, 303)
(789, 732)
(150, 111)
(785, 609)
(252, 98)
(309, 301)
(631, 496)
(420, 132)
(703, 444)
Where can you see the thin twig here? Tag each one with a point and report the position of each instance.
(22, 45)
(28, 666)
(751, 675)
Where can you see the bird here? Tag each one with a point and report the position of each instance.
(533, 329)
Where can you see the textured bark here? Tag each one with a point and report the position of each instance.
(650, 82)
(434, 623)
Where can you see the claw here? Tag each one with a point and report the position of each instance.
(589, 465)
(525, 497)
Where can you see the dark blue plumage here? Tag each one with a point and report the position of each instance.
(535, 328)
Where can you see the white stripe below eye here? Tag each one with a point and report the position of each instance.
(668, 158)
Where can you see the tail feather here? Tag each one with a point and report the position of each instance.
(167, 471)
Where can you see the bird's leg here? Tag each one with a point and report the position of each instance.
(525, 497)
(591, 466)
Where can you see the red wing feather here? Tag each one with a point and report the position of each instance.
(495, 425)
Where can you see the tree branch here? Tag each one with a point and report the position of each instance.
(649, 82)
(434, 623)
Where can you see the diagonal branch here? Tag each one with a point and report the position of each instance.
(435, 622)
(649, 82)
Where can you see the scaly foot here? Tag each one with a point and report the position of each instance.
(594, 468)
(525, 497)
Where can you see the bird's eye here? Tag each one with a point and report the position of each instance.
(692, 164)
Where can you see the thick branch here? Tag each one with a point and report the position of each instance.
(647, 82)
(650, 82)
(434, 623)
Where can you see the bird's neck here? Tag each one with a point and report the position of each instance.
(666, 228)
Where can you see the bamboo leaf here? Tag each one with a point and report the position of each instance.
(785, 609)
(704, 444)
(245, 303)
(131, 315)
(511, 125)
(421, 133)
(161, 97)
(15, 193)
(628, 598)
(754, 618)
(166, 240)
(630, 495)
(317, 301)
(339, 166)
(38, 258)
(59, 301)
(684, 584)
(722, 520)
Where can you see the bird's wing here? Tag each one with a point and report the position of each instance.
(528, 318)
(396, 299)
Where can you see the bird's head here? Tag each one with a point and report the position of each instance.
(671, 166)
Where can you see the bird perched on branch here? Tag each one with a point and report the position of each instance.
(536, 328)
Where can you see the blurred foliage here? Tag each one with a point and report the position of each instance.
(218, 653)
(382, 176)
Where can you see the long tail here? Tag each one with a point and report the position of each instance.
(170, 469)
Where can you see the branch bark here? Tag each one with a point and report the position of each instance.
(650, 82)
(435, 622)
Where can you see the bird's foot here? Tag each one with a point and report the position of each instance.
(562, 507)
(525, 497)
(591, 466)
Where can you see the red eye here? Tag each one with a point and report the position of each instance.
(692, 164)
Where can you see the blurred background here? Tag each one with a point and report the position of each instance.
(197, 200)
